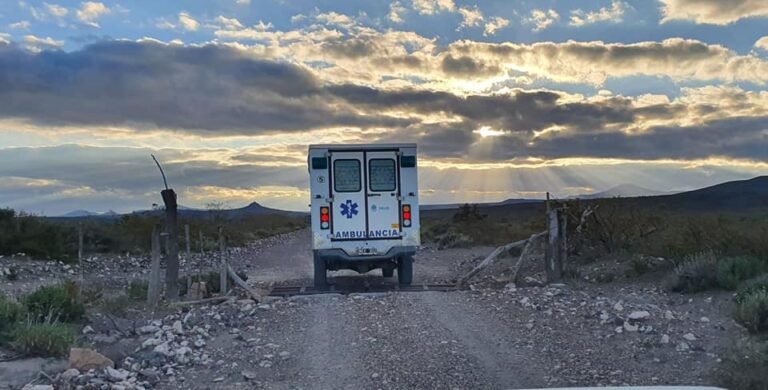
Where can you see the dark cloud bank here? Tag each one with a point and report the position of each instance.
(216, 89)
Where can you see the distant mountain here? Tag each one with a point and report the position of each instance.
(740, 195)
(249, 210)
(622, 191)
(86, 213)
(449, 206)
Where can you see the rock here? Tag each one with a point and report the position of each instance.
(37, 387)
(116, 375)
(665, 339)
(618, 307)
(15, 374)
(265, 364)
(704, 319)
(148, 329)
(181, 355)
(668, 315)
(219, 379)
(104, 339)
(69, 374)
(682, 347)
(630, 328)
(177, 327)
(87, 359)
(199, 343)
(284, 355)
(249, 375)
(164, 349)
(689, 337)
(88, 329)
(639, 315)
(150, 342)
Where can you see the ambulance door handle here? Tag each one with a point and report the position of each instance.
(374, 194)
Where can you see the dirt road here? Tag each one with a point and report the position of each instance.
(568, 335)
(290, 262)
(521, 338)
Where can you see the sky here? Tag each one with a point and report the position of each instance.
(505, 98)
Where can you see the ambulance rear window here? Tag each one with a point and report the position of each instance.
(382, 174)
(346, 175)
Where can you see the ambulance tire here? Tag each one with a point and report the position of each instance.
(405, 271)
(388, 272)
(321, 280)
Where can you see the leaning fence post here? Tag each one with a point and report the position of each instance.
(223, 261)
(556, 248)
(153, 292)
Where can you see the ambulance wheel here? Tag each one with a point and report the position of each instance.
(388, 272)
(321, 280)
(405, 271)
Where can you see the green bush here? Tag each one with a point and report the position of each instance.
(752, 311)
(732, 271)
(43, 338)
(137, 290)
(759, 283)
(696, 273)
(62, 301)
(744, 367)
(10, 313)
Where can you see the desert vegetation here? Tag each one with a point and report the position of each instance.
(42, 323)
(56, 238)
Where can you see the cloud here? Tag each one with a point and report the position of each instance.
(90, 11)
(470, 17)
(37, 44)
(615, 14)
(243, 2)
(762, 43)
(335, 19)
(430, 7)
(396, 11)
(542, 19)
(495, 24)
(170, 86)
(594, 62)
(720, 12)
(219, 90)
(56, 10)
(22, 25)
(187, 22)
(409, 56)
(228, 23)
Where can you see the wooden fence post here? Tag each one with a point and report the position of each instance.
(202, 243)
(153, 291)
(223, 261)
(186, 240)
(172, 258)
(556, 248)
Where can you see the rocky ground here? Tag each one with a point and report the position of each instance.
(485, 337)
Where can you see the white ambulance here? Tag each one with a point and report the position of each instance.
(365, 209)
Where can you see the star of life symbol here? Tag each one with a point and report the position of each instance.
(349, 209)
